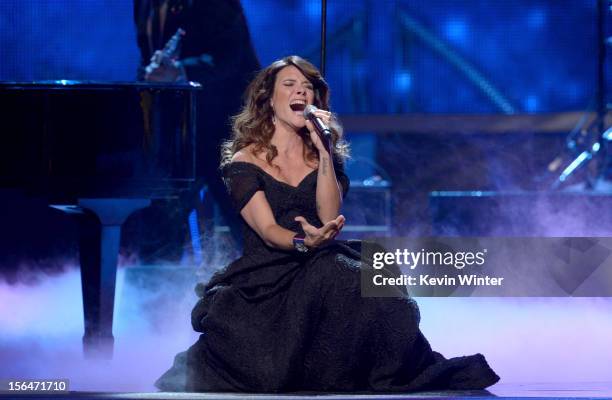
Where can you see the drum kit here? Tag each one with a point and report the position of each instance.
(588, 145)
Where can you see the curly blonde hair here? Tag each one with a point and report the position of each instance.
(253, 124)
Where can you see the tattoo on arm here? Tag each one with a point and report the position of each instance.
(318, 206)
(324, 161)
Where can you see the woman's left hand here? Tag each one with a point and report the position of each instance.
(326, 117)
(316, 237)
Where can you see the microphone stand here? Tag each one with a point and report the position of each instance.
(323, 34)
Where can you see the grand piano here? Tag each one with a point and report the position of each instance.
(98, 151)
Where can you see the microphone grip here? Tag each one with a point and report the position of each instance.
(322, 128)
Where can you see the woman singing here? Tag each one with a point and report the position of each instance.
(288, 315)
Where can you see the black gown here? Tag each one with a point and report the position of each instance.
(279, 321)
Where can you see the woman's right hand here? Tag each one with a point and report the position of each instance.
(316, 237)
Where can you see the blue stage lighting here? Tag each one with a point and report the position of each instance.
(536, 18)
(457, 30)
(531, 103)
(402, 81)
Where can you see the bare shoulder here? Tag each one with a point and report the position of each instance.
(247, 154)
(243, 155)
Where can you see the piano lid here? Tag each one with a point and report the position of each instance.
(75, 139)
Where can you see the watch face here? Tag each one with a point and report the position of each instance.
(301, 247)
(298, 243)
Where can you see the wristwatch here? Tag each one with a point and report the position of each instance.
(298, 243)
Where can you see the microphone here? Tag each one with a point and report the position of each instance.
(322, 129)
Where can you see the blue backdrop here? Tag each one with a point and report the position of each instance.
(434, 56)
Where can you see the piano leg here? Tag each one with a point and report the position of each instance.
(100, 223)
(98, 249)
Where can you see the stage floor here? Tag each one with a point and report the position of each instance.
(596, 390)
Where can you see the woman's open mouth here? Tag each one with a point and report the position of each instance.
(298, 106)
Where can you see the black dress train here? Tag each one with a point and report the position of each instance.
(278, 321)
